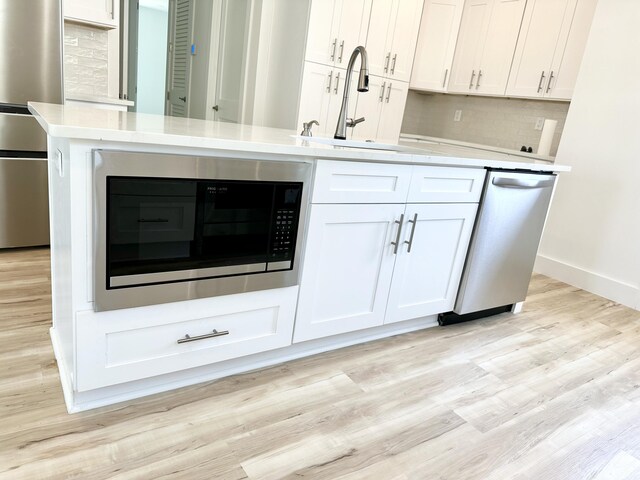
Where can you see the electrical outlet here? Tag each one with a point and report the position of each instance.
(539, 123)
(457, 116)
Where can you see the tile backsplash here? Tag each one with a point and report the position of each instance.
(499, 122)
(85, 60)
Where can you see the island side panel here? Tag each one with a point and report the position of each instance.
(62, 331)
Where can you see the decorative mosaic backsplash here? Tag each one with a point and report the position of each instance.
(499, 122)
(85, 60)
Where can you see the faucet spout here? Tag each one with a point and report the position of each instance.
(363, 86)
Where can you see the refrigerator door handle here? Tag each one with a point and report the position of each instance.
(518, 183)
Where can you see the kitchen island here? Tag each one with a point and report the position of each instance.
(375, 247)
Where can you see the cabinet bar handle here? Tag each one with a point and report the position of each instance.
(389, 92)
(215, 333)
(473, 75)
(386, 62)
(330, 81)
(413, 230)
(341, 51)
(335, 90)
(393, 63)
(333, 49)
(479, 77)
(381, 97)
(446, 73)
(540, 82)
(549, 84)
(397, 242)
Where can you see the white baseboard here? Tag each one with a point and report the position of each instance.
(615, 290)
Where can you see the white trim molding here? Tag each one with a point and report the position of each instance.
(615, 290)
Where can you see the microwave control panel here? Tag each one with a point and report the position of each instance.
(285, 223)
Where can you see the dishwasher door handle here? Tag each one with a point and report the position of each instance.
(518, 183)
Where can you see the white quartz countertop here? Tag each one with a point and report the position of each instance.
(412, 137)
(73, 122)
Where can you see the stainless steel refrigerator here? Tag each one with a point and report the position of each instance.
(30, 70)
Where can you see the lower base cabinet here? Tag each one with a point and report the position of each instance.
(367, 265)
(159, 339)
(347, 269)
(429, 264)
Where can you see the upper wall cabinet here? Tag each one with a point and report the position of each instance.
(382, 108)
(336, 28)
(392, 37)
(436, 44)
(321, 97)
(550, 48)
(486, 45)
(103, 13)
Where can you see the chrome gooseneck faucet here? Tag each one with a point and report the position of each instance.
(363, 86)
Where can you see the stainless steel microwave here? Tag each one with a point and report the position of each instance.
(174, 227)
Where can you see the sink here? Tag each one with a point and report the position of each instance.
(390, 147)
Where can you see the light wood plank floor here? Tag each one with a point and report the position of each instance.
(552, 393)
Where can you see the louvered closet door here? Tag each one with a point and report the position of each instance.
(181, 25)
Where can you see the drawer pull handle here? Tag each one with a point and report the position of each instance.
(396, 244)
(153, 220)
(413, 231)
(540, 82)
(550, 80)
(215, 333)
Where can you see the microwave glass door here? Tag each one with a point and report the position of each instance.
(166, 230)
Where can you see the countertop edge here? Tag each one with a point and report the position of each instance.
(299, 149)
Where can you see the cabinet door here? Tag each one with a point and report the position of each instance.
(317, 83)
(347, 269)
(379, 37)
(567, 60)
(473, 33)
(369, 105)
(405, 37)
(436, 44)
(543, 22)
(426, 278)
(103, 12)
(499, 46)
(322, 38)
(352, 26)
(395, 100)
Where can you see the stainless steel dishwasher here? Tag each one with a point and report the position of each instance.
(504, 244)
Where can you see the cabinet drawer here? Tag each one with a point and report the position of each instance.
(130, 344)
(355, 182)
(446, 185)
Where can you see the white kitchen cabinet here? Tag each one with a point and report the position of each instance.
(138, 343)
(347, 269)
(383, 108)
(359, 182)
(550, 47)
(486, 45)
(358, 270)
(436, 44)
(103, 13)
(336, 28)
(392, 37)
(321, 97)
(429, 262)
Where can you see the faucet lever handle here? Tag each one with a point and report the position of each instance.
(306, 128)
(352, 123)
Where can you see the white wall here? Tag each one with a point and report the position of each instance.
(592, 238)
(153, 21)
